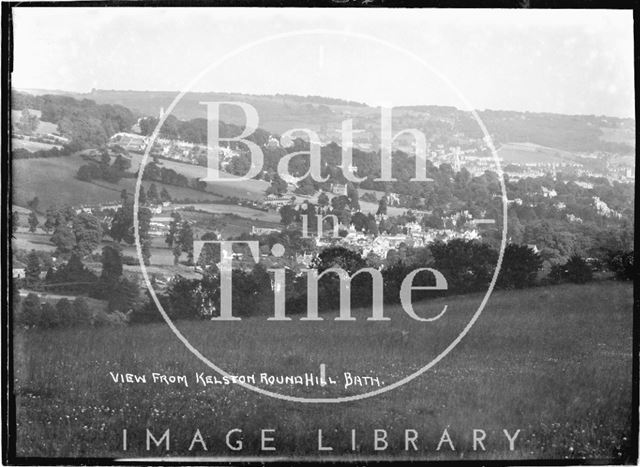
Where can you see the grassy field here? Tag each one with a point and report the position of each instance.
(43, 127)
(41, 177)
(553, 362)
(248, 189)
(619, 135)
(32, 146)
(521, 153)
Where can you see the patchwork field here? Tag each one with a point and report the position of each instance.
(558, 369)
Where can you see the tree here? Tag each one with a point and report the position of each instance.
(49, 317)
(306, 187)
(467, 265)
(124, 297)
(33, 221)
(81, 312)
(34, 203)
(122, 227)
(210, 254)
(111, 264)
(577, 270)
(64, 239)
(152, 193)
(177, 251)
(30, 313)
(28, 123)
(174, 227)
(372, 225)
(105, 158)
(185, 239)
(520, 266)
(340, 203)
(621, 264)
(323, 200)
(278, 186)
(360, 221)
(50, 222)
(146, 251)
(85, 172)
(329, 285)
(64, 311)
(182, 298)
(88, 233)
(73, 277)
(341, 257)
(352, 194)
(382, 206)
(164, 195)
(288, 215)
(142, 197)
(33, 269)
(121, 164)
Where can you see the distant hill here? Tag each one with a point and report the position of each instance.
(442, 124)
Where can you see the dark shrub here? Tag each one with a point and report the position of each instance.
(49, 316)
(30, 313)
(520, 266)
(81, 312)
(575, 270)
(467, 265)
(65, 312)
(621, 264)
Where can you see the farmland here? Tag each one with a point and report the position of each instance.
(521, 153)
(558, 369)
(41, 177)
(43, 127)
(248, 189)
(32, 146)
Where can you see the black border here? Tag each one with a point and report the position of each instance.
(8, 401)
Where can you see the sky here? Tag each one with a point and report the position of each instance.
(561, 61)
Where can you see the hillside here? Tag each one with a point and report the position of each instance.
(44, 176)
(558, 369)
(523, 153)
(282, 112)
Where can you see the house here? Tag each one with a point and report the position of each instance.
(262, 230)
(18, 270)
(276, 201)
(533, 247)
(159, 225)
(339, 189)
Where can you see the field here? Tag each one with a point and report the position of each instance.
(522, 153)
(619, 135)
(41, 177)
(32, 146)
(249, 189)
(558, 369)
(43, 127)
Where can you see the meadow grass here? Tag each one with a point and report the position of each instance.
(554, 362)
(43, 176)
